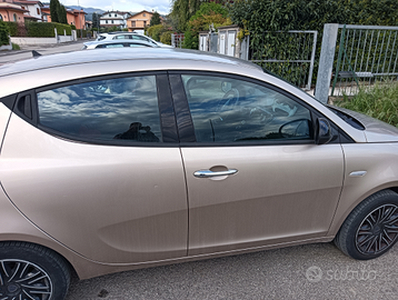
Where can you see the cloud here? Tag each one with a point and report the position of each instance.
(161, 6)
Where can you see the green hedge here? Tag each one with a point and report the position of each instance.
(35, 29)
(263, 20)
(4, 32)
(38, 29)
(13, 27)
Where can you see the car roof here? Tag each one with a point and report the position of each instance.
(120, 54)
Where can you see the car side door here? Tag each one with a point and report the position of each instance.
(95, 164)
(255, 176)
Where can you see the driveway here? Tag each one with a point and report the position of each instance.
(318, 271)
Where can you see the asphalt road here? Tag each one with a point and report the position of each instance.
(317, 271)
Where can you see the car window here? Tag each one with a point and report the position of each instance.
(230, 110)
(137, 45)
(106, 110)
(121, 37)
(142, 38)
(110, 46)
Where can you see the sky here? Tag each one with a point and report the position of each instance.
(161, 6)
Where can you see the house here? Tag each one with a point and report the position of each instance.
(74, 17)
(10, 12)
(114, 18)
(34, 8)
(77, 18)
(139, 21)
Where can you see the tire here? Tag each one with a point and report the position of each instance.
(34, 270)
(371, 229)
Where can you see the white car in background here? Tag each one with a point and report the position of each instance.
(123, 35)
(117, 44)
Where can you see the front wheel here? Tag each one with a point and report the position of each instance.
(29, 271)
(372, 227)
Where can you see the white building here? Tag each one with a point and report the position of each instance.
(34, 8)
(114, 18)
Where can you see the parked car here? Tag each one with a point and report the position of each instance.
(117, 44)
(137, 158)
(123, 35)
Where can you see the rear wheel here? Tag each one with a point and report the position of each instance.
(29, 271)
(372, 227)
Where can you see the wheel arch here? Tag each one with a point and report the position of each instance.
(71, 263)
(345, 208)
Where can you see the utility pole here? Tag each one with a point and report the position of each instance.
(80, 20)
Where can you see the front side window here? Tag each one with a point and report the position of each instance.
(228, 110)
(104, 110)
(142, 38)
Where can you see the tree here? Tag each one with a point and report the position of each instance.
(182, 11)
(95, 21)
(54, 11)
(155, 20)
(58, 12)
(61, 11)
(4, 32)
(209, 13)
(155, 31)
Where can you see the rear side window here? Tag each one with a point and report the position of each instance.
(105, 110)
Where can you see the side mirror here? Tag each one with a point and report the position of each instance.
(299, 129)
(323, 133)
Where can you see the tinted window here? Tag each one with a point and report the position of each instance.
(121, 37)
(137, 45)
(230, 110)
(110, 46)
(142, 38)
(115, 109)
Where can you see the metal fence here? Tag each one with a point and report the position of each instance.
(290, 55)
(366, 54)
(177, 40)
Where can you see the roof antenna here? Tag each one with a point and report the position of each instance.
(35, 53)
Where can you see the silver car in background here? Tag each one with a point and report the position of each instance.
(137, 158)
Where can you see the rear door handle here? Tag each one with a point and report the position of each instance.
(208, 173)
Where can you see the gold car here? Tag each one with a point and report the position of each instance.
(130, 158)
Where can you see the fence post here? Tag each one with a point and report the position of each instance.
(213, 42)
(56, 35)
(173, 42)
(326, 60)
(244, 48)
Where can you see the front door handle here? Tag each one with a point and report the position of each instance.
(208, 173)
